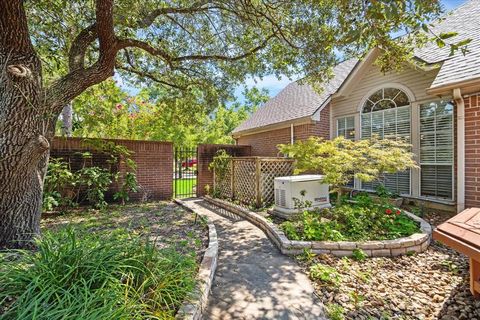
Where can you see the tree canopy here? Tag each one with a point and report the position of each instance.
(106, 111)
(210, 45)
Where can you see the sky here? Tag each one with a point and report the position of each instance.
(271, 82)
(274, 85)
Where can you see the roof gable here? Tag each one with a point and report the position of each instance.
(296, 101)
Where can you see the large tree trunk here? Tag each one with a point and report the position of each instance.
(28, 112)
(24, 127)
(24, 149)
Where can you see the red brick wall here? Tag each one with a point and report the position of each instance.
(154, 161)
(205, 155)
(265, 143)
(472, 151)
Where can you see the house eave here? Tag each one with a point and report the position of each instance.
(273, 126)
(467, 86)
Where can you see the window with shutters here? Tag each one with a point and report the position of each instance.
(436, 149)
(386, 114)
(346, 127)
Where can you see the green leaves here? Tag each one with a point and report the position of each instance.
(214, 46)
(341, 160)
(447, 35)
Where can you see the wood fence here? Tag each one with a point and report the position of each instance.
(250, 179)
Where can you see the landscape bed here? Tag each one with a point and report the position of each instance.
(416, 242)
(135, 262)
(433, 284)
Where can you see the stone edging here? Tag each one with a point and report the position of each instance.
(417, 242)
(192, 308)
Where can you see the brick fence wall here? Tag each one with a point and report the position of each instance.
(264, 144)
(205, 155)
(472, 151)
(154, 161)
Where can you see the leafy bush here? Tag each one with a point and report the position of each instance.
(96, 182)
(94, 276)
(59, 179)
(341, 160)
(292, 231)
(335, 311)
(220, 166)
(362, 220)
(65, 188)
(359, 254)
(325, 274)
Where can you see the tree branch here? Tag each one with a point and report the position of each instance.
(76, 55)
(150, 18)
(105, 30)
(149, 76)
(79, 79)
(125, 43)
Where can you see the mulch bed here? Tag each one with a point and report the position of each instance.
(166, 223)
(430, 285)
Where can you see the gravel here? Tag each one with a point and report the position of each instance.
(429, 285)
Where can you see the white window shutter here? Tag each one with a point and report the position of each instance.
(436, 149)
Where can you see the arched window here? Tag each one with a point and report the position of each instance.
(386, 114)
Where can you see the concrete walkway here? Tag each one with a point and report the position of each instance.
(253, 279)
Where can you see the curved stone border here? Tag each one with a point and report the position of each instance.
(192, 308)
(417, 242)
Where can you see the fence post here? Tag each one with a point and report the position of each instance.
(232, 182)
(258, 192)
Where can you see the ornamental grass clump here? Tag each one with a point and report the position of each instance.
(75, 275)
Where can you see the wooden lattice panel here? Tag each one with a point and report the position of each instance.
(251, 182)
(270, 169)
(244, 180)
(223, 185)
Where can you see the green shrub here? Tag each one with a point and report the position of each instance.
(58, 179)
(76, 275)
(325, 274)
(96, 181)
(290, 230)
(361, 220)
(335, 311)
(359, 254)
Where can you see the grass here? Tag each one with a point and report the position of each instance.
(184, 186)
(102, 275)
(125, 262)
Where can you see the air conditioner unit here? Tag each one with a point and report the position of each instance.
(287, 188)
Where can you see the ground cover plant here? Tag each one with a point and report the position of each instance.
(430, 285)
(132, 262)
(359, 219)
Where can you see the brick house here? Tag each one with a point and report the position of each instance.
(434, 102)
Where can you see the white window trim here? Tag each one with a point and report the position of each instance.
(436, 164)
(411, 98)
(394, 85)
(337, 119)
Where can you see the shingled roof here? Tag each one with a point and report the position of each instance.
(298, 101)
(466, 21)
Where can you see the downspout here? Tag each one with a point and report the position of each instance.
(457, 96)
(291, 134)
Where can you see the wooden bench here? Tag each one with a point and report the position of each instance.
(462, 233)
